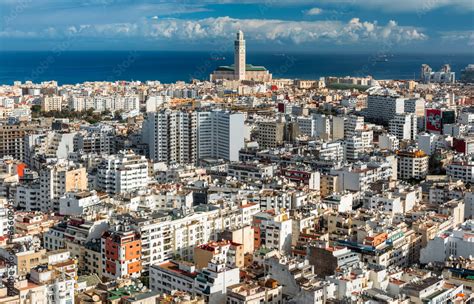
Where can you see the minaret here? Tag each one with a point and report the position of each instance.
(239, 56)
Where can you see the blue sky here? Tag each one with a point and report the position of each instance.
(445, 26)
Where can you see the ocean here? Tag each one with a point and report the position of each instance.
(70, 67)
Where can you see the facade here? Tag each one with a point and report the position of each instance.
(99, 103)
(185, 137)
(383, 108)
(412, 164)
(122, 250)
(270, 134)
(404, 126)
(12, 139)
(273, 230)
(51, 103)
(122, 173)
(462, 169)
(56, 180)
(220, 134)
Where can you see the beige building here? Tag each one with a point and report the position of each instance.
(242, 236)
(25, 259)
(251, 293)
(51, 103)
(12, 139)
(270, 134)
(56, 180)
(232, 253)
(329, 185)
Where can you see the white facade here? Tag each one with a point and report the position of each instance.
(463, 170)
(383, 108)
(412, 165)
(457, 242)
(77, 203)
(403, 126)
(122, 173)
(388, 142)
(184, 137)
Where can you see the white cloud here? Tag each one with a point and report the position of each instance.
(314, 11)
(415, 6)
(281, 31)
(458, 36)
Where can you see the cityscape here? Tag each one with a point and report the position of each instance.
(236, 184)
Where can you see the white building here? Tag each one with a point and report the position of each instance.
(388, 142)
(220, 134)
(55, 180)
(122, 173)
(77, 203)
(454, 242)
(185, 137)
(382, 108)
(275, 230)
(403, 126)
(462, 169)
(412, 164)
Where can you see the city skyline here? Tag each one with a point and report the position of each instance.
(314, 26)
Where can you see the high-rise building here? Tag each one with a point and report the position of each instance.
(270, 134)
(220, 134)
(170, 136)
(184, 137)
(12, 139)
(443, 76)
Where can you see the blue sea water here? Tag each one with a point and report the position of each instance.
(78, 66)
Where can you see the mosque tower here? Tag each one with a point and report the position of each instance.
(239, 56)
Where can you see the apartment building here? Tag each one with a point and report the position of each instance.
(51, 103)
(12, 139)
(184, 137)
(403, 126)
(270, 134)
(56, 180)
(122, 250)
(122, 173)
(412, 164)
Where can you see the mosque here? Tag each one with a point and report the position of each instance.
(240, 70)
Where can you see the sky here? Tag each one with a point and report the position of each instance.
(431, 26)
